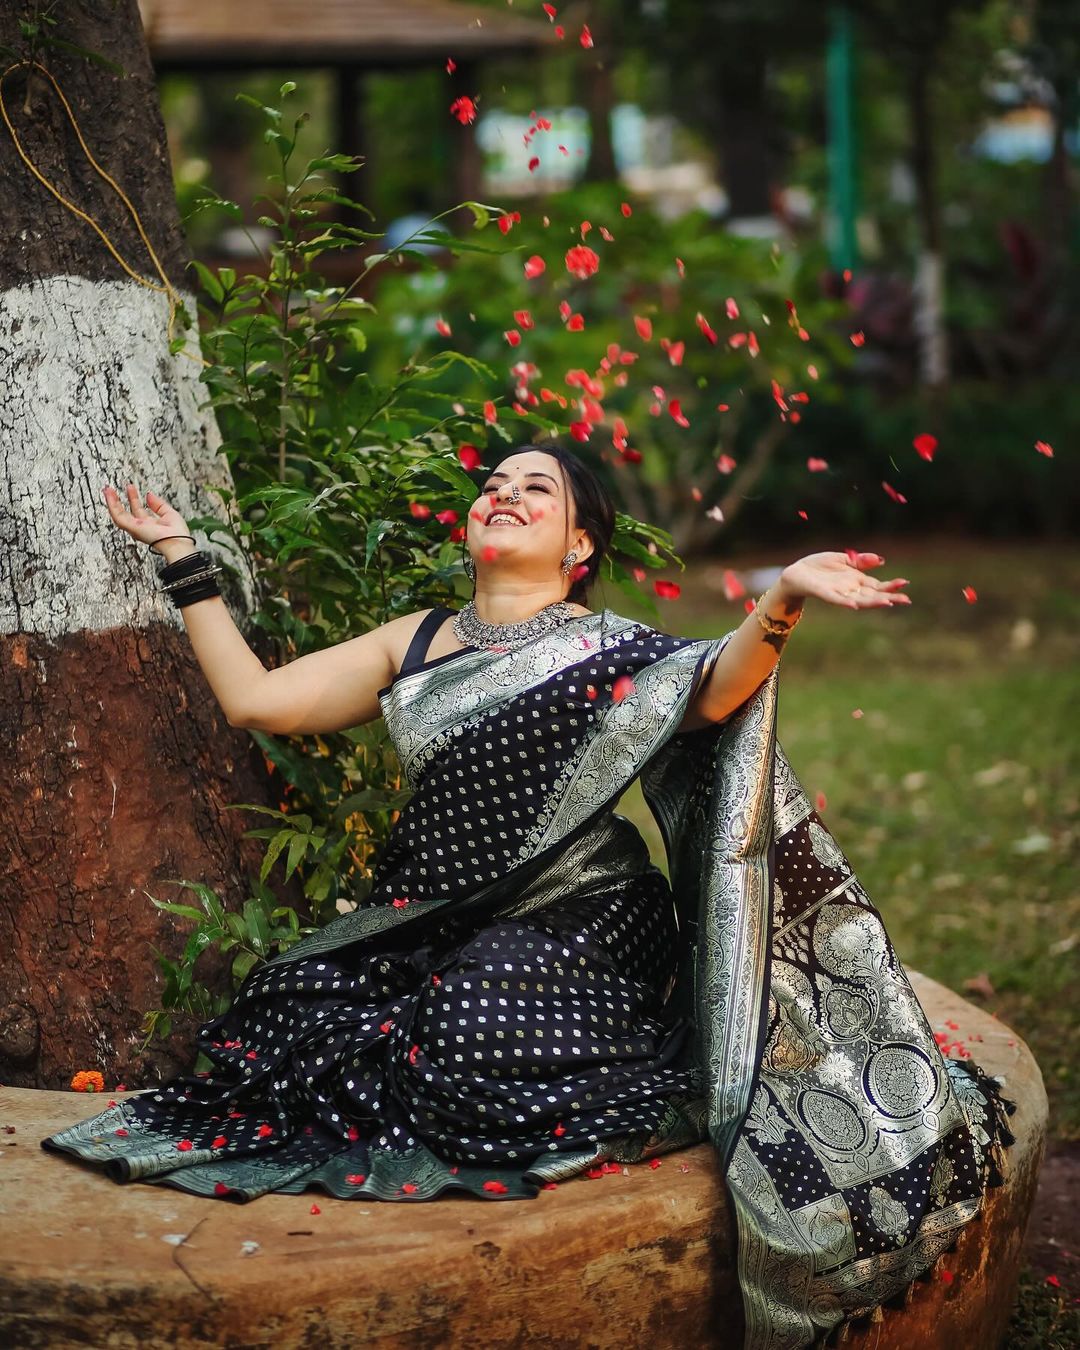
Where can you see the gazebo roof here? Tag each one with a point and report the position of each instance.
(234, 33)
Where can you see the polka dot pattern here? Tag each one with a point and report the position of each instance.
(524, 1038)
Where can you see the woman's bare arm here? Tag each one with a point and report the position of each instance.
(751, 653)
(324, 691)
(331, 689)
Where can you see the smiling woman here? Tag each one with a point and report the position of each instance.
(570, 518)
(525, 997)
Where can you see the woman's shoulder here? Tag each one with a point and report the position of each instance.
(398, 633)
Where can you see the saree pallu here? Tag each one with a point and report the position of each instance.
(525, 997)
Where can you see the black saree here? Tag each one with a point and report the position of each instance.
(524, 998)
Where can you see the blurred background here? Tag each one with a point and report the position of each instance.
(838, 252)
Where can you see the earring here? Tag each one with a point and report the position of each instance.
(568, 563)
(470, 567)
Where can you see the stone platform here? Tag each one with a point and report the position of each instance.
(639, 1258)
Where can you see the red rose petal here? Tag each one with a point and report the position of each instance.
(464, 109)
(496, 1187)
(582, 262)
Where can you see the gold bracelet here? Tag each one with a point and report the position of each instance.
(778, 627)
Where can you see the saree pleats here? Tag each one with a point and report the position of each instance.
(525, 997)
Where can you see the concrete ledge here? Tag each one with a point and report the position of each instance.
(641, 1258)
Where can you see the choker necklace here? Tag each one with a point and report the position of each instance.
(470, 631)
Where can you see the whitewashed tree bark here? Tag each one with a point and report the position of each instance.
(119, 763)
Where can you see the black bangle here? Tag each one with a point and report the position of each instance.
(182, 567)
(199, 590)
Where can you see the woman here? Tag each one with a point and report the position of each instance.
(524, 997)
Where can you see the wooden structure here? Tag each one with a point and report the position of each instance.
(350, 38)
(636, 1258)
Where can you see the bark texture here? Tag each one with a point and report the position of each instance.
(120, 763)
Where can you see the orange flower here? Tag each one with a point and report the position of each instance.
(88, 1080)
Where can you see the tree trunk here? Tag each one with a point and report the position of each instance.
(600, 94)
(929, 288)
(120, 762)
(745, 131)
(1057, 196)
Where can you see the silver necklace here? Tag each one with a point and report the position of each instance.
(471, 631)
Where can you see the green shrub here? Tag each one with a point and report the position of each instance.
(329, 449)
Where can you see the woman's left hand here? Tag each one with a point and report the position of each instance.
(841, 579)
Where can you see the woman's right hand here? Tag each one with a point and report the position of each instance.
(157, 520)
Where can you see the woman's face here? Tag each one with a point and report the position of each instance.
(529, 534)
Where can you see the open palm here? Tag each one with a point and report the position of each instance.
(156, 520)
(840, 579)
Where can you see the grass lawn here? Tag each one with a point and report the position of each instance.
(956, 795)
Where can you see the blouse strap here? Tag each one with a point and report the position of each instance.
(421, 639)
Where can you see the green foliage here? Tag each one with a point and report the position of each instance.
(671, 274)
(335, 424)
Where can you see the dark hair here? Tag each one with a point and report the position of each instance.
(594, 511)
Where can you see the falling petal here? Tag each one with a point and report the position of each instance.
(464, 109)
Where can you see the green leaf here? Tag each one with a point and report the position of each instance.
(242, 965)
(237, 927)
(298, 846)
(278, 843)
(257, 926)
(377, 531)
(371, 799)
(211, 284)
(339, 163)
(482, 214)
(73, 50)
(185, 911)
